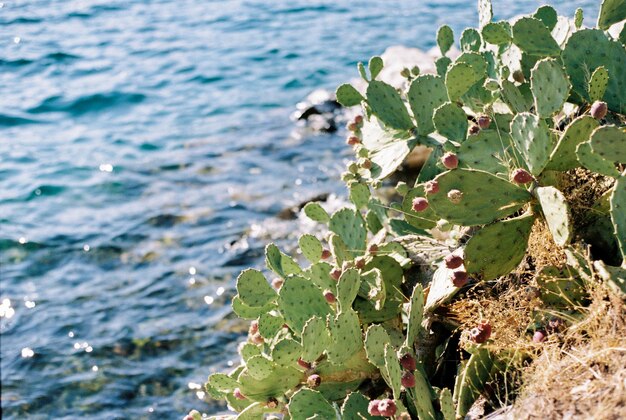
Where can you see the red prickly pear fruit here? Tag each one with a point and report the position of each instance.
(598, 110)
(336, 273)
(431, 187)
(481, 333)
(352, 126)
(419, 204)
(403, 416)
(408, 362)
(358, 120)
(455, 196)
(449, 160)
(188, 417)
(408, 379)
(373, 249)
(521, 176)
(329, 296)
(272, 402)
(539, 336)
(303, 364)
(366, 164)
(372, 408)
(314, 381)
(387, 408)
(484, 122)
(257, 339)
(459, 278)
(277, 283)
(352, 140)
(453, 261)
(518, 76)
(254, 327)
(237, 394)
(474, 129)
(359, 263)
(326, 254)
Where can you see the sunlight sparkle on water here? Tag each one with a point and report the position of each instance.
(29, 304)
(192, 271)
(6, 311)
(220, 291)
(94, 368)
(86, 248)
(27, 352)
(209, 300)
(106, 167)
(22, 240)
(17, 40)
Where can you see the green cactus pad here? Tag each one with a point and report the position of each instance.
(394, 370)
(489, 151)
(286, 352)
(346, 336)
(372, 288)
(431, 168)
(471, 380)
(594, 161)
(311, 247)
(388, 106)
(533, 140)
(423, 220)
(618, 213)
(350, 226)
(427, 93)
(280, 263)
(550, 87)
(560, 288)
(372, 221)
(547, 15)
(597, 84)
(441, 289)
(254, 411)
(355, 407)
(613, 277)
(459, 79)
(585, 51)
(249, 350)
(375, 66)
(611, 11)
(307, 403)
(348, 96)
(316, 213)
(445, 39)
(361, 68)
(299, 300)
(359, 194)
(253, 288)
(470, 40)
(315, 339)
(532, 37)
(223, 383)
(497, 33)
(416, 312)
(249, 312)
(347, 288)
(375, 340)
(339, 249)
(609, 142)
(387, 148)
(442, 64)
(485, 12)
(446, 404)
(578, 18)
(556, 212)
(260, 367)
(451, 121)
(269, 325)
(485, 197)
(423, 396)
(319, 274)
(563, 156)
(514, 99)
(497, 249)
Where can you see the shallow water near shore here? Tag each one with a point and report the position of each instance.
(145, 150)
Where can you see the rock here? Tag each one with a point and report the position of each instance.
(319, 111)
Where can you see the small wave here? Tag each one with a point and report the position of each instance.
(19, 62)
(14, 120)
(205, 79)
(45, 191)
(85, 104)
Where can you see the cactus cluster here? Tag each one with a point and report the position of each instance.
(344, 334)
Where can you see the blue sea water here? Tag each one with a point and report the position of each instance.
(145, 149)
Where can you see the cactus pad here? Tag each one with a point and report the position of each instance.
(249, 312)
(497, 33)
(598, 83)
(611, 11)
(460, 77)
(441, 64)
(388, 106)
(441, 289)
(393, 369)
(222, 383)
(594, 161)
(348, 96)
(550, 87)
(345, 335)
(311, 247)
(609, 142)
(485, 197)
(497, 249)
(280, 263)
(319, 274)
(446, 404)
(487, 151)
(471, 380)
(350, 226)
(556, 212)
(560, 288)
(315, 339)
(316, 213)
(423, 396)
(427, 93)
(375, 341)
(532, 37)
(485, 12)
(470, 40)
(359, 194)
(269, 325)
(286, 352)
(299, 300)
(547, 15)
(423, 220)
(355, 407)
(259, 367)
(512, 96)
(249, 350)
(564, 154)
(618, 213)
(347, 288)
(533, 140)
(339, 249)
(307, 403)
(445, 39)
(416, 312)
(253, 288)
(375, 66)
(451, 121)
